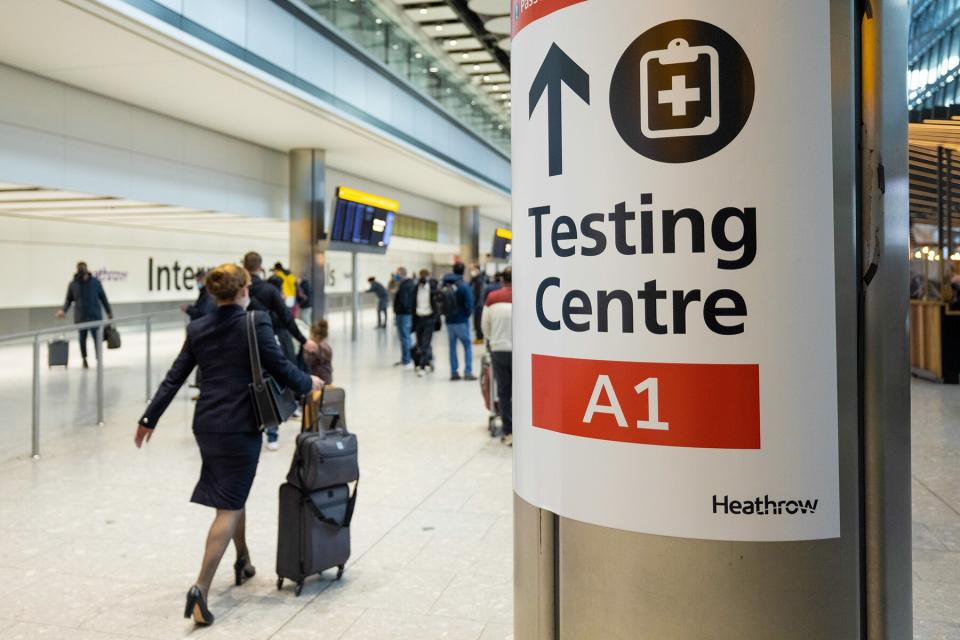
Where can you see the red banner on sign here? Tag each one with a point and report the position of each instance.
(523, 12)
(711, 406)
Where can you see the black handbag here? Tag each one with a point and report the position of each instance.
(111, 336)
(272, 403)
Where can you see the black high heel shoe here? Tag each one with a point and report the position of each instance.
(243, 570)
(197, 607)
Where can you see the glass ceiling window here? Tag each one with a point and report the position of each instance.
(934, 54)
(371, 29)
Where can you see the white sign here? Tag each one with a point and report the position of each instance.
(674, 312)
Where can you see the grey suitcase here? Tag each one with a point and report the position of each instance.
(324, 459)
(314, 532)
(58, 352)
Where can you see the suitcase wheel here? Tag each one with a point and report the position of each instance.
(339, 572)
(279, 583)
(299, 588)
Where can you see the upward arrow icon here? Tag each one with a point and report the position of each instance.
(557, 68)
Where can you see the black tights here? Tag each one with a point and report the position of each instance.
(227, 525)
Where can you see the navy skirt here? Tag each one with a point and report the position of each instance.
(229, 466)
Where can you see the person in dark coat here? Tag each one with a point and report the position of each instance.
(205, 303)
(86, 295)
(383, 299)
(458, 327)
(425, 319)
(478, 280)
(404, 304)
(269, 298)
(224, 423)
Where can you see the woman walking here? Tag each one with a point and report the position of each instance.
(224, 423)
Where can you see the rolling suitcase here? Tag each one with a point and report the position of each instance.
(58, 352)
(314, 532)
(316, 504)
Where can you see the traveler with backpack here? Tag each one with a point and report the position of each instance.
(457, 305)
(404, 305)
(424, 322)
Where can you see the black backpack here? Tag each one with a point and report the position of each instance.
(446, 300)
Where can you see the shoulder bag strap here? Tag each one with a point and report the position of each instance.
(351, 504)
(254, 349)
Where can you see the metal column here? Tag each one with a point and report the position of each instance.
(470, 234)
(35, 413)
(149, 370)
(355, 295)
(99, 351)
(586, 581)
(885, 367)
(308, 222)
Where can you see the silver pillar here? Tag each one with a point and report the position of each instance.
(885, 315)
(35, 406)
(470, 234)
(355, 297)
(308, 222)
(584, 581)
(149, 371)
(99, 347)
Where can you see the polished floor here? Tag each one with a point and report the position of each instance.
(98, 540)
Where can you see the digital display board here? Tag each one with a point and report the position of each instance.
(362, 219)
(502, 244)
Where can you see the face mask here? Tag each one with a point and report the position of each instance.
(423, 280)
(244, 301)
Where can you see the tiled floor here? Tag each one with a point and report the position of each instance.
(98, 540)
(936, 511)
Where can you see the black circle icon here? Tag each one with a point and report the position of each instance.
(681, 91)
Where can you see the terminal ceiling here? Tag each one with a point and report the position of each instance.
(84, 44)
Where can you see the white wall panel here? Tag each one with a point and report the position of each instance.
(224, 17)
(175, 5)
(49, 250)
(58, 136)
(270, 32)
(348, 83)
(88, 116)
(31, 156)
(378, 96)
(314, 58)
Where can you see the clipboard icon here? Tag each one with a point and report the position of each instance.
(680, 91)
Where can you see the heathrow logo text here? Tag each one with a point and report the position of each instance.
(765, 506)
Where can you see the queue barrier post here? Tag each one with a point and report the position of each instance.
(35, 400)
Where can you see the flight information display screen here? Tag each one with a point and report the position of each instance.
(502, 244)
(361, 224)
(358, 220)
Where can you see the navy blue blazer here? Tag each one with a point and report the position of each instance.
(217, 343)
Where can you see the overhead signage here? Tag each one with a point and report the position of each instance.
(360, 197)
(674, 316)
